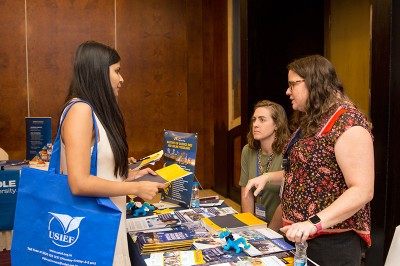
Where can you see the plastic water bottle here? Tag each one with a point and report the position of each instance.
(195, 200)
(300, 257)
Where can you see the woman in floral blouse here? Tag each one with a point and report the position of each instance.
(328, 179)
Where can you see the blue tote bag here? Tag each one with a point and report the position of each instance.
(54, 227)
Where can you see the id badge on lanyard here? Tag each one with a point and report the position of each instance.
(259, 209)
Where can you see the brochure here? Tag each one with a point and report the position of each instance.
(151, 159)
(219, 255)
(159, 221)
(265, 261)
(259, 234)
(180, 148)
(167, 240)
(208, 242)
(267, 246)
(165, 175)
(234, 222)
(190, 257)
(38, 135)
(197, 229)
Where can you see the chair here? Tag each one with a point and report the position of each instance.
(393, 256)
(5, 236)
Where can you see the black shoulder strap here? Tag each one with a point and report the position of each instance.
(293, 140)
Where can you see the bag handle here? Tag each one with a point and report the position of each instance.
(328, 126)
(56, 154)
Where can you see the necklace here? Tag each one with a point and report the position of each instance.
(265, 169)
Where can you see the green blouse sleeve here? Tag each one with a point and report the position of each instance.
(245, 163)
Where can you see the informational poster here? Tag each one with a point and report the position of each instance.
(9, 180)
(180, 148)
(38, 135)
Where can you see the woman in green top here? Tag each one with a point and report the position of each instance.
(268, 133)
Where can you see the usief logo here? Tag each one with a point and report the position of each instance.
(64, 229)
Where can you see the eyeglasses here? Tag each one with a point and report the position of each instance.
(293, 83)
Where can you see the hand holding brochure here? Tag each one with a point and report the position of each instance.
(151, 159)
(165, 175)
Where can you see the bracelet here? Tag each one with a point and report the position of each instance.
(317, 225)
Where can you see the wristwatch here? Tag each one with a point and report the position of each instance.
(316, 221)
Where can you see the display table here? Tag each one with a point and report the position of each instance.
(134, 252)
(138, 259)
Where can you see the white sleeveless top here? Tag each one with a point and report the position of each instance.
(105, 170)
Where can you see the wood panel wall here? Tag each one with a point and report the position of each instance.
(349, 49)
(218, 46)
(166, 61)
(13, 90)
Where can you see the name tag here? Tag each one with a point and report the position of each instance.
(260, 211)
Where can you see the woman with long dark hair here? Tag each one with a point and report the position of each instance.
(97, 80)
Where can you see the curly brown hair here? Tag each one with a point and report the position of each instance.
(325, 89)
(279, 117)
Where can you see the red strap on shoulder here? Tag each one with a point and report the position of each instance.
(328, 126)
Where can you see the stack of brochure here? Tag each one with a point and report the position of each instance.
(177, 239)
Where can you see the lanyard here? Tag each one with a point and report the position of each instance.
(259, 163)
(286, 161)
(257, 170)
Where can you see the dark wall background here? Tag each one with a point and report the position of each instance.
(385, 92)
(280, 31)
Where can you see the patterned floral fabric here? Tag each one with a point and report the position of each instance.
(315, 180)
